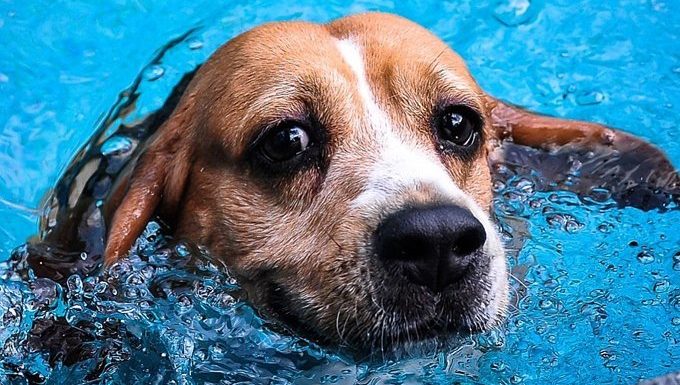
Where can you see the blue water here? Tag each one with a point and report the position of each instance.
(599, 300)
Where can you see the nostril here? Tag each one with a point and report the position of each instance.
(468, 240)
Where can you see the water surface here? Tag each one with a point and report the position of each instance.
(598, 294)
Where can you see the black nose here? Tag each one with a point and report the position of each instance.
(434, 246)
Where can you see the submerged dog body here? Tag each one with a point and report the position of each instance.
(342, 172)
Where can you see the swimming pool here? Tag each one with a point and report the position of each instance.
(602, 284)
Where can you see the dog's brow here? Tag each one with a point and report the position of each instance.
(457, 87)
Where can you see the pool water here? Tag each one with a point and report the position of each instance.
(596, 291)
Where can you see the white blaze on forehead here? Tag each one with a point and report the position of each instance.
(399, 164)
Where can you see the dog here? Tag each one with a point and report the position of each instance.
(342, 172)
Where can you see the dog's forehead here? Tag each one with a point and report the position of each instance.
(285, 68)
(388, 40)
(388, 43)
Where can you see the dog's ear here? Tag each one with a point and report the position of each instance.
(154, 184)
(580, 156)
(540, 131)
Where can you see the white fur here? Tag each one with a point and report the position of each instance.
(403, 165)
(400, 165)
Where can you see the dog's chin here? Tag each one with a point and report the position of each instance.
(392, 314)
(403, 314)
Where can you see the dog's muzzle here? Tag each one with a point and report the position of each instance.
(431, 246)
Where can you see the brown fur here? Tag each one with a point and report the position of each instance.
(299, 235)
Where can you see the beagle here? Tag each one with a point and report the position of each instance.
(342, 172)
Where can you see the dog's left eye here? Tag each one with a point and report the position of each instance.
(285, 142)
(458, 125)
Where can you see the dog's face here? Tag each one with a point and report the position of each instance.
(341, 171)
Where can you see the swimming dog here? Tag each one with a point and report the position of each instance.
(342, 172)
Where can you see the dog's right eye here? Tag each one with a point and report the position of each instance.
(285, 141)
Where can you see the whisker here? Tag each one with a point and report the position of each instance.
(518, 280)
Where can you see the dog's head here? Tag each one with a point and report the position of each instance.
(341, 171)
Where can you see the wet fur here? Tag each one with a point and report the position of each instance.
(301, 250)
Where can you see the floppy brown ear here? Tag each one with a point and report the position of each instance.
(154, 185)
(586, 155)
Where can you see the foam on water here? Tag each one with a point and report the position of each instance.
(596, 288)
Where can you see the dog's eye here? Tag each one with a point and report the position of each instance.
(285, 142)
(458, 125)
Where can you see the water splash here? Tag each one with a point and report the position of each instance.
(172, 314)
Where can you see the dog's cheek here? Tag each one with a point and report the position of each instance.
(474, 178)
(215, 201)
(479, 184)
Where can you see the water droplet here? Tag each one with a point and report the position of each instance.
(675, 321)
(182, 250)
(75, 284)
(536, 203)
(498, 366)
(662, 286)
(599, 195)
(545, 304)
(498, 185)
(604, 228)
(645, 257)
(573, 226)
(131, 293)
(526, 186)
(195, 43)
(633, 243)
(587, 98)
(47, 294)
(493, 339)
(217, 352)
(184, 304)
(607, 355)
(516, 12)
(674, 299)
(116, 145)
(154, 72)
